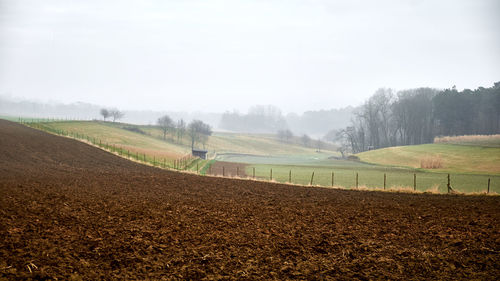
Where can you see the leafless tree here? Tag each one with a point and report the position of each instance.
(116, 114)
(181, 130)
(199, 132)
(166, 124)
(319, 145)
(285, 135)
(306, 140)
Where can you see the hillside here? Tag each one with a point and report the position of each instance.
(455, 158)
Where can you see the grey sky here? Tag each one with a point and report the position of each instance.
(224, 55)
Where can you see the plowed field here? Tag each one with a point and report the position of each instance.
(73, 212)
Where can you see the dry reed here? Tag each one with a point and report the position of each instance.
(431, 162)
(468, 139)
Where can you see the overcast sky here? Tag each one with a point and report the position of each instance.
(215, 56)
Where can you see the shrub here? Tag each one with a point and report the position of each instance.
(353, 158)
(134, 129)
(431, 162)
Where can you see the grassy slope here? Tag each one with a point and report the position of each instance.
(254, 144)
(151, 143)
(456, 158)
(113, 134)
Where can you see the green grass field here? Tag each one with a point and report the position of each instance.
(455, 158)
(372, 177)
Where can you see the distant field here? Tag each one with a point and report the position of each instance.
(455, 158)
(371, 177)
(255, 144)
(311, 158)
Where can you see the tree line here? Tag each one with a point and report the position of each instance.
(197, 130)
(260, 119)
(417, 116)
(269, 119)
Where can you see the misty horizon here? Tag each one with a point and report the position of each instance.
(219, 56)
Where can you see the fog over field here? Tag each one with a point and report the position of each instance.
(217, 56)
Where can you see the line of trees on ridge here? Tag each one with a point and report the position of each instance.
(417, 116)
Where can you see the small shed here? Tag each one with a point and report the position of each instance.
(200, 153)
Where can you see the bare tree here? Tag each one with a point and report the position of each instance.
(199, 132)
(104, 113)
(181, 130)
(116, 114)
(306, 140)
(319, 145)
(285, 135)
(165, 123)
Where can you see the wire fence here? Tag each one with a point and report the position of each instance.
(184, 162)
(301, 177)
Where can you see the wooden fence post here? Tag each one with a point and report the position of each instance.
(254, 172)
(237, 171)
(271, 176)
(223, 171)
(356, 180)
(333, 178)
(290, 176)
(448, 185)
(197, 167)
(384, 180)
(488, 185)
(414, 182)
(312, 178)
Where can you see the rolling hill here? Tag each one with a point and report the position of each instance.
(149, 140)
(454, 158)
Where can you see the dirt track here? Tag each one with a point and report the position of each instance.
(69, 210)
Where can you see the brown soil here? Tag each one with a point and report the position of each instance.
(72, 211)
(228, 169)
